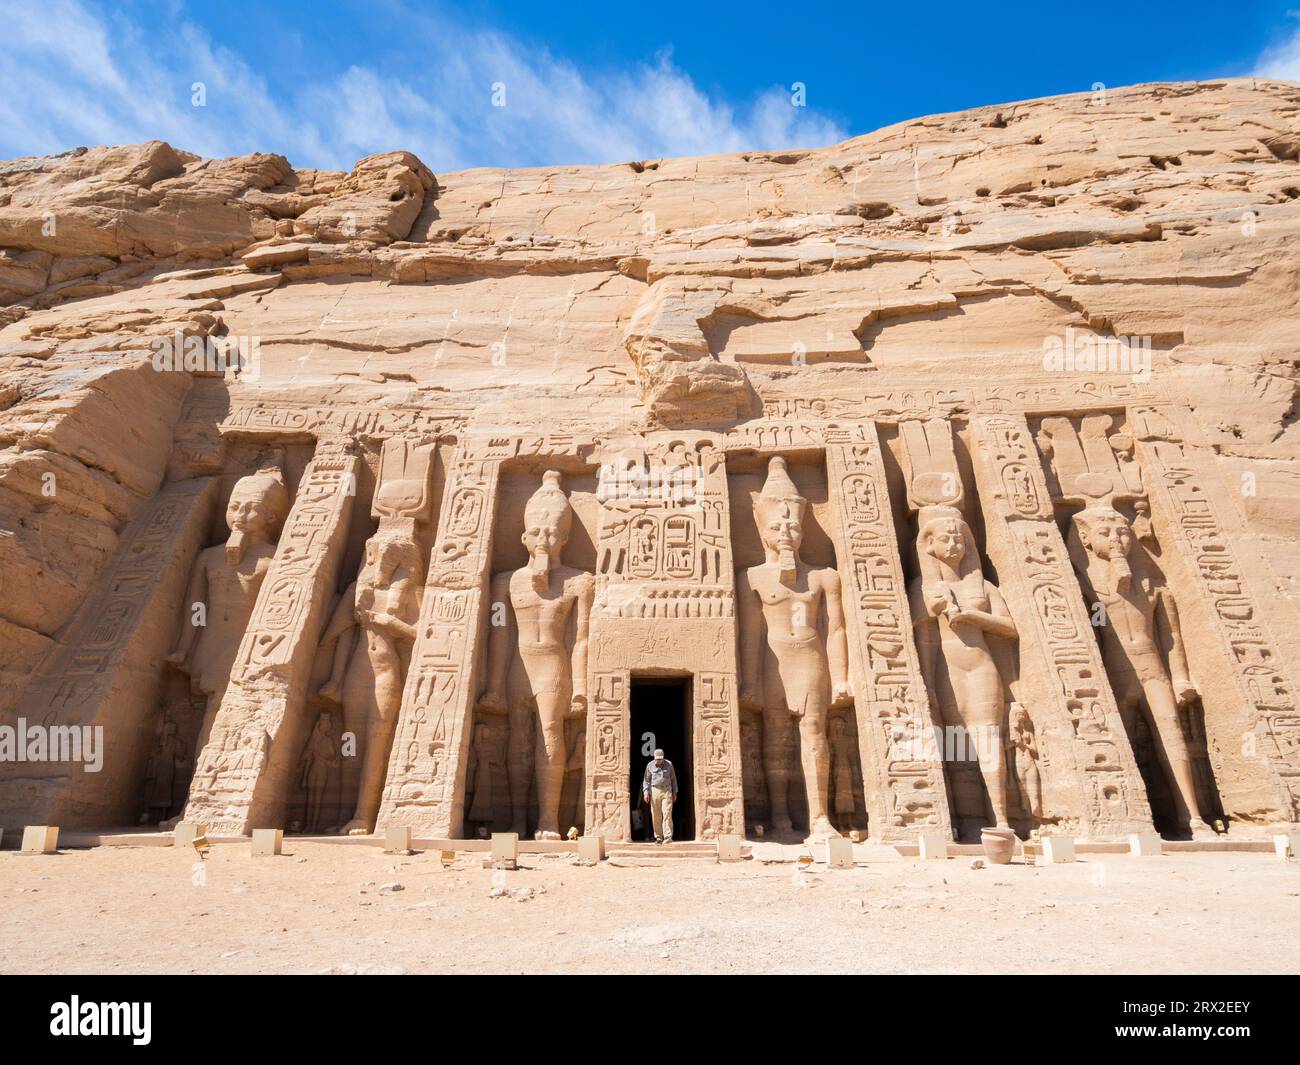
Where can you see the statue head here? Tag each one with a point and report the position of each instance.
(390, 553)
(547, 520)
(392, 561)
(258, 504)
(779, 512)
(1020, 719)
(1106, 535)
(944, 535)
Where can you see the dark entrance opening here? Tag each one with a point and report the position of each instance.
(661, 717)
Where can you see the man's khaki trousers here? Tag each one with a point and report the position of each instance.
(661, 809)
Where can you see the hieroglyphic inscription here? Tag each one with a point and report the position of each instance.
(608, 746)
(1189, 518)
(719, 809)
(1044, 596)
(905, 787)
(425, 786)
(243, 776)
(93, 678)
(664, 553)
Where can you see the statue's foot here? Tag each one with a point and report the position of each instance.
(822, 829)
(781, 826)
(356, 827)
(1200, 830)
(546, 833)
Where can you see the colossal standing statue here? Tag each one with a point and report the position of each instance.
(226, 580)
(1140, 617)
(794, 652)
(374, 626)
(954, 610)
(537, 660)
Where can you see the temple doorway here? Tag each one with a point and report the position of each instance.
(661, 710)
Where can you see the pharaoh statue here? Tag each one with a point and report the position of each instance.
(537, 660)
(794, 653)
(1140, 617)
(226, 579)
(373, 630)
(954, 612)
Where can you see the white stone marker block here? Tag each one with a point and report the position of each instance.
(591, 848)
(1057, 850)
(40, 839)
(729, 848)
(839, 853)
(505, 846)
(1145, 844)
(397, 839)
(267, 841)
(1287, 845)
(186, 832)
(932, 844)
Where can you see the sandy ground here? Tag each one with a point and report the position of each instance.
(320, 908)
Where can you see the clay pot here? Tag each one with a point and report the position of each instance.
(999, 844)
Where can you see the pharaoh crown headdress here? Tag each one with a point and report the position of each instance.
(549, 501)
(268, 483)
(780, 497)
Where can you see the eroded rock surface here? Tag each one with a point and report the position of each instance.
(706, 314)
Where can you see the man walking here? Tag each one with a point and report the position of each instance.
(659, 789)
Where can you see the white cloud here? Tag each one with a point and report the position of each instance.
(1282, 60)
(71, 76)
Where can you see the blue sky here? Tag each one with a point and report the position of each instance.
(325, 84)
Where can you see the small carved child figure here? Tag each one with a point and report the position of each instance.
(319, 760)
(1023, 745)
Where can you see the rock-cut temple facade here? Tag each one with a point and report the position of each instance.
(946, 479)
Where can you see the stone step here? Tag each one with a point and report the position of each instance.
(701, 850)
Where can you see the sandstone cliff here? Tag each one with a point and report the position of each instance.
(936, 253)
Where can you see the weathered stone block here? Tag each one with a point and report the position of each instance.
(397, 839)
(267, 842)
(40, 839)
(839, 853)
(1057, 850)
(932, 845)
(729, 848)
(1145, 844)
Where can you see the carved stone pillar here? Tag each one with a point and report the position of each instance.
(1241, 671)
(902, 774)
(608, 750)
(1059, 653)
(106, 670)
(426, 769)
(244, 775)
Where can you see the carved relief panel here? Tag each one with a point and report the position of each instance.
(904, 781)
(1077, 722)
